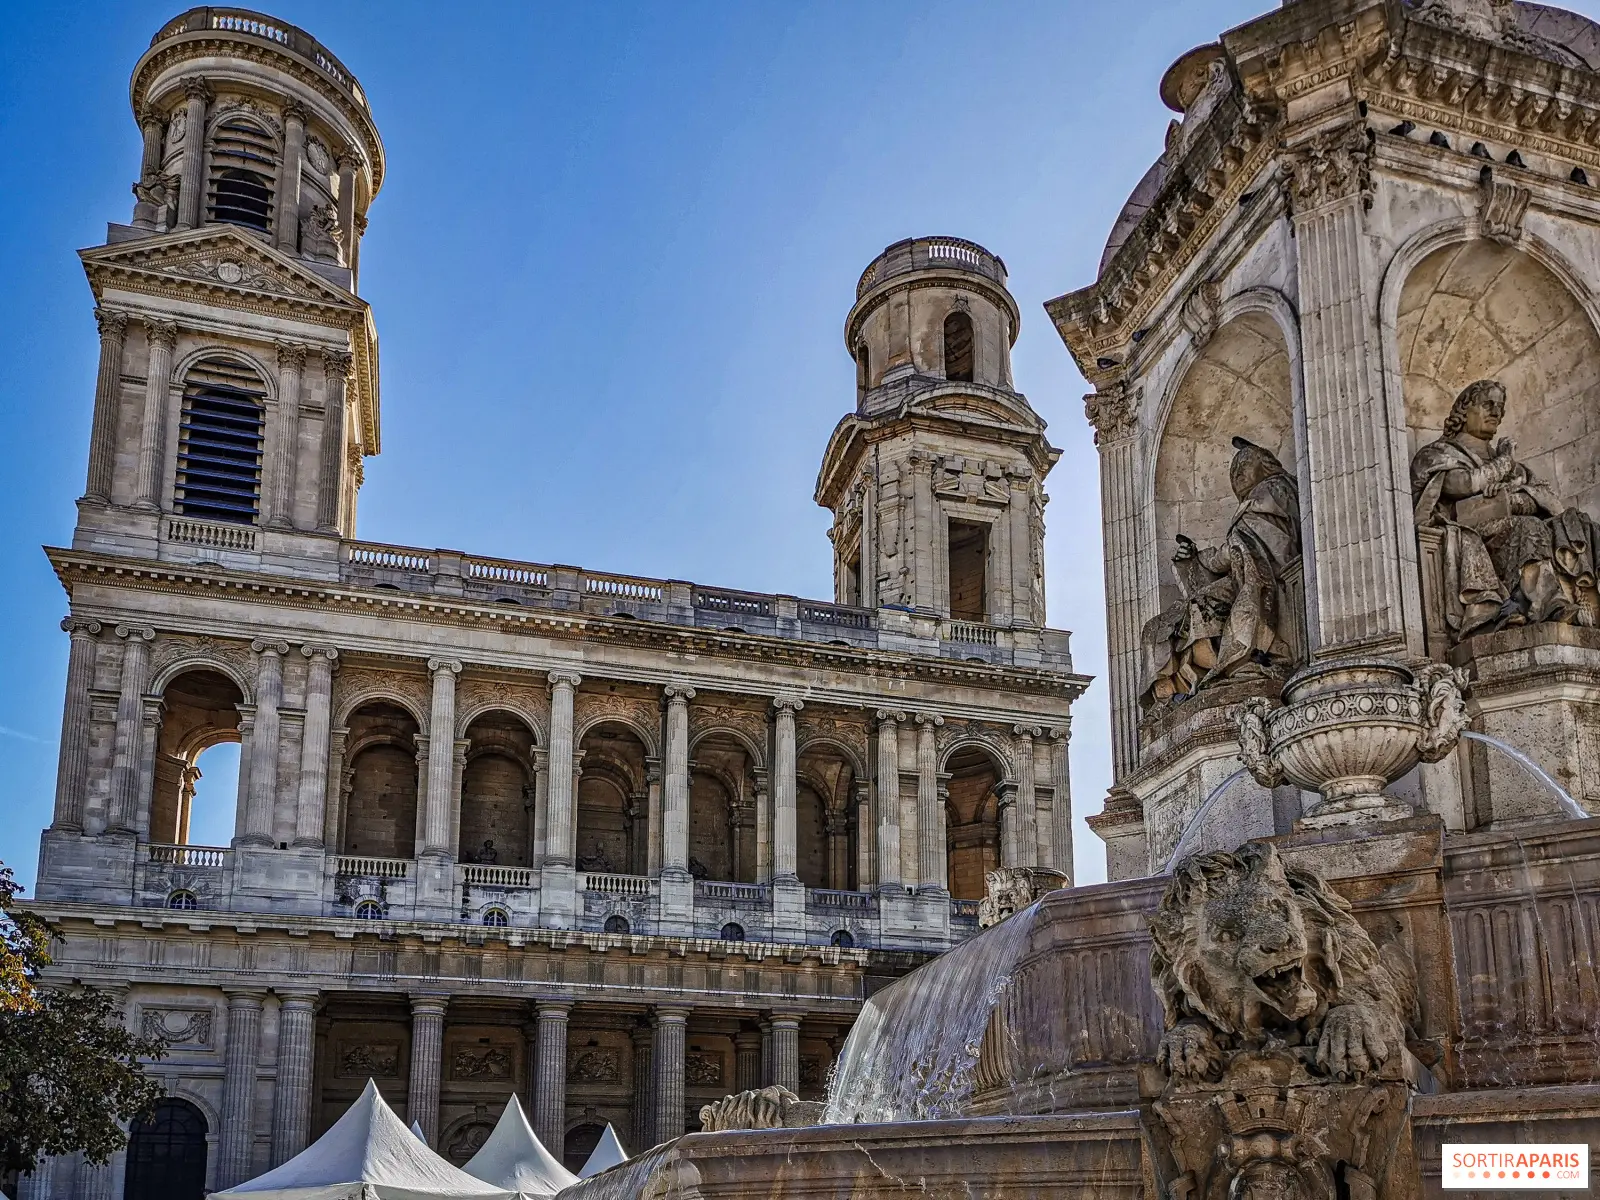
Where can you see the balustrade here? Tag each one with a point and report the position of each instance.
(372, 868)
(211, 534)
(616, 885)
(745, 892)
(483, 874)
(189, 856)
(827, 898)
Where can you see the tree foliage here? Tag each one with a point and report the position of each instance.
(70, 1074)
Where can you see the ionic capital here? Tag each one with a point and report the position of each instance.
(436, 666)
(570, 679)
(113, 322)
(889, 716)
(85, 627)
(788, 703)
(930, 720)
(268, 646)
(1005, 794)
(291, 356)
(136, 633)
(1062, 731)
(161, 333)
(678, 693)
(314, 651)
(1028, 731)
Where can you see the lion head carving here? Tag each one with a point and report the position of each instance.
(1249, 952)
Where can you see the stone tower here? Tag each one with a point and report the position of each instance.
(935, 481)
(238, 385)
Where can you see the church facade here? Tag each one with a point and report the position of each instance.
(621, 845)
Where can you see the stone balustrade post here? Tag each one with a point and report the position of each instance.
(561, 793)
(72, 765)
(1061, 804)
(427, 1049)
(675, 791)
(260, 809)
(315, 746)
(1027, 814)
(888, 782)
(550, 1098)
(294, 146)
(440, 775)
(107, 404)
(291, 1099)
(785, 832)
(932, 864)
(668, 1060)
(336, 366)
(786, 1051)
(192, 188)
(644, 1124)
(285, 460)
(128, 767)
(236, 1140)
(163, 339)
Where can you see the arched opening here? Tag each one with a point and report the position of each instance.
(958, 347)
(167, 1154)
(194, 797)
(843, 938)
(497, 792)
(972, 821)
(496, 918)
(732, 932)
(863, 368)
(579, 1144)
(380, 784)
(722, 811)
(616, 923)
(244, 167)
(825, 818)
(219, 442)
(613, 802)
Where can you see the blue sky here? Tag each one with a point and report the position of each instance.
(610, 267)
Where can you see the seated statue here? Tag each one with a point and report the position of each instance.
(1513, 554)
(1229, 622)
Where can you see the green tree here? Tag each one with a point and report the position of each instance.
(69, 1068)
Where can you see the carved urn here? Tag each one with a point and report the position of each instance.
(1348, 728)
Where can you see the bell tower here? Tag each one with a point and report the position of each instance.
(238, 383)
(936, 479)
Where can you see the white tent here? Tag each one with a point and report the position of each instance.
(607, 1153)
(515, 1158)
(369, 1154)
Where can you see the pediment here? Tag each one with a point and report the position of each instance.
(988, 409)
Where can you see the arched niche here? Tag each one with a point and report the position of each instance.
(613, 793)
(972, 818)
(1481, 310)
(497, 791)
(200, 709)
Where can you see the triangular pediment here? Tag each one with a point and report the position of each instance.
(217, 260)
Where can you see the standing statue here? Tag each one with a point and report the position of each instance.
(1230, 622)
(1513, 554)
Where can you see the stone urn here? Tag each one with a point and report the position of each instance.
(1348, 728)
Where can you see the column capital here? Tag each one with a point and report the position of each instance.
(161, 333)
(929, 721)
(1062, 731)
(672, 1014)
(1005, 794)
(556, 1006)
(136, 633)
(315, 650)
(1027, 731)
(307, 1000)
(265, 646)
(196, 88)
(292, 355)
(569, 678)
(346, 158)
(889, 716)
(113, 322)
(784, 1020)
(336, 364)
(429, 1004)
(149, 114)
(1112, 412)
(293, 110)
(245, 997)
(440, 666)
(80, 626)
(787, 702)
(678, 693)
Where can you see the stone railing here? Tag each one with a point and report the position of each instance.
(189, 856)
(216, 535)
(488, 874)
(746, 893)
(388, 558)
(964, 908)
(828, 898)
(372, 868)
(615, 885)
(259, 26)
(495, 570)
(920, 254)
(972, 633)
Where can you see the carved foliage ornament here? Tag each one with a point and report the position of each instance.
(1332, 166)
(1111, 412)
(177, 1026)
(1501, 207)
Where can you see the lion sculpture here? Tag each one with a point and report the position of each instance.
(774, 1107)
(1251, 954)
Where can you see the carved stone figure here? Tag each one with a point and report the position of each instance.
(773, 1107)
(1250, 953)
(1230, 621)
(157, 201)
(320, 235)
(1513, 553)
(1009, 890)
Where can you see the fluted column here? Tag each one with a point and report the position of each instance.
(107, 402)
(127, 764)
(286, 438)
(40, 1183)
(192, 189)
(441, 758)
(427, 1048)
(237, 1138)
(1061, 804)
(1113, 413)
(163, 338)
(644, 1123)
(330, 466)
(347, 164)
(927, 572)
(785, 835)
(671, 1028)
(151, 125)
(675, 789)
(262, 765)
(747, 1060)
(559, 793)
(766, 1051)
(294, 145)
(550, 1100)
(72, 767)
(932, 867)
(310, 805)
(888, 781)
(1010, 830)
(1027, 804)
(786, 1051)
(291, 1099)
(861, 799)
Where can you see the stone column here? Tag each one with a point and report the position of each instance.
(1354, 552)
(1113, 413)
(932, 867)
(291, 1100)
(40, 1183)
(152, 710)
(191, 190)
(747, 1060)
(334, 795)
(241, 805)
(1027, 803)
(441, 758)
(924, 537)
(260, 809)
(652, 776)
(107, 403)
(862, 798)
(286, 438)
(550, 1100)
(427, 1048)
(310, 805)
(644, 1124)
(671, 1030)
(72, 767)
(127, 765)
(786, 1051)
(888, 780)
(151, 125)
(330, 467)
(236, 1140)
(675, 795)
(761, 792)
(559, 796)
(785, 834)
(1061, 804)
(347, 164)
(294, 146)
(163, 338)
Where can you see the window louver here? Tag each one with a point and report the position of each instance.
(219, 448)
(244, 164)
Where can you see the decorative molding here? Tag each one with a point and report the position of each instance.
(1111, 413)
(487, 1062)
(361, 1060)
(595, 1066)
(178, 1027)
(1332, 166)
(1501, 207)
(1200, 313)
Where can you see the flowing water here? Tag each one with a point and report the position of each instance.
(1570, 806)
(912, 1053)
(1193, 827)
